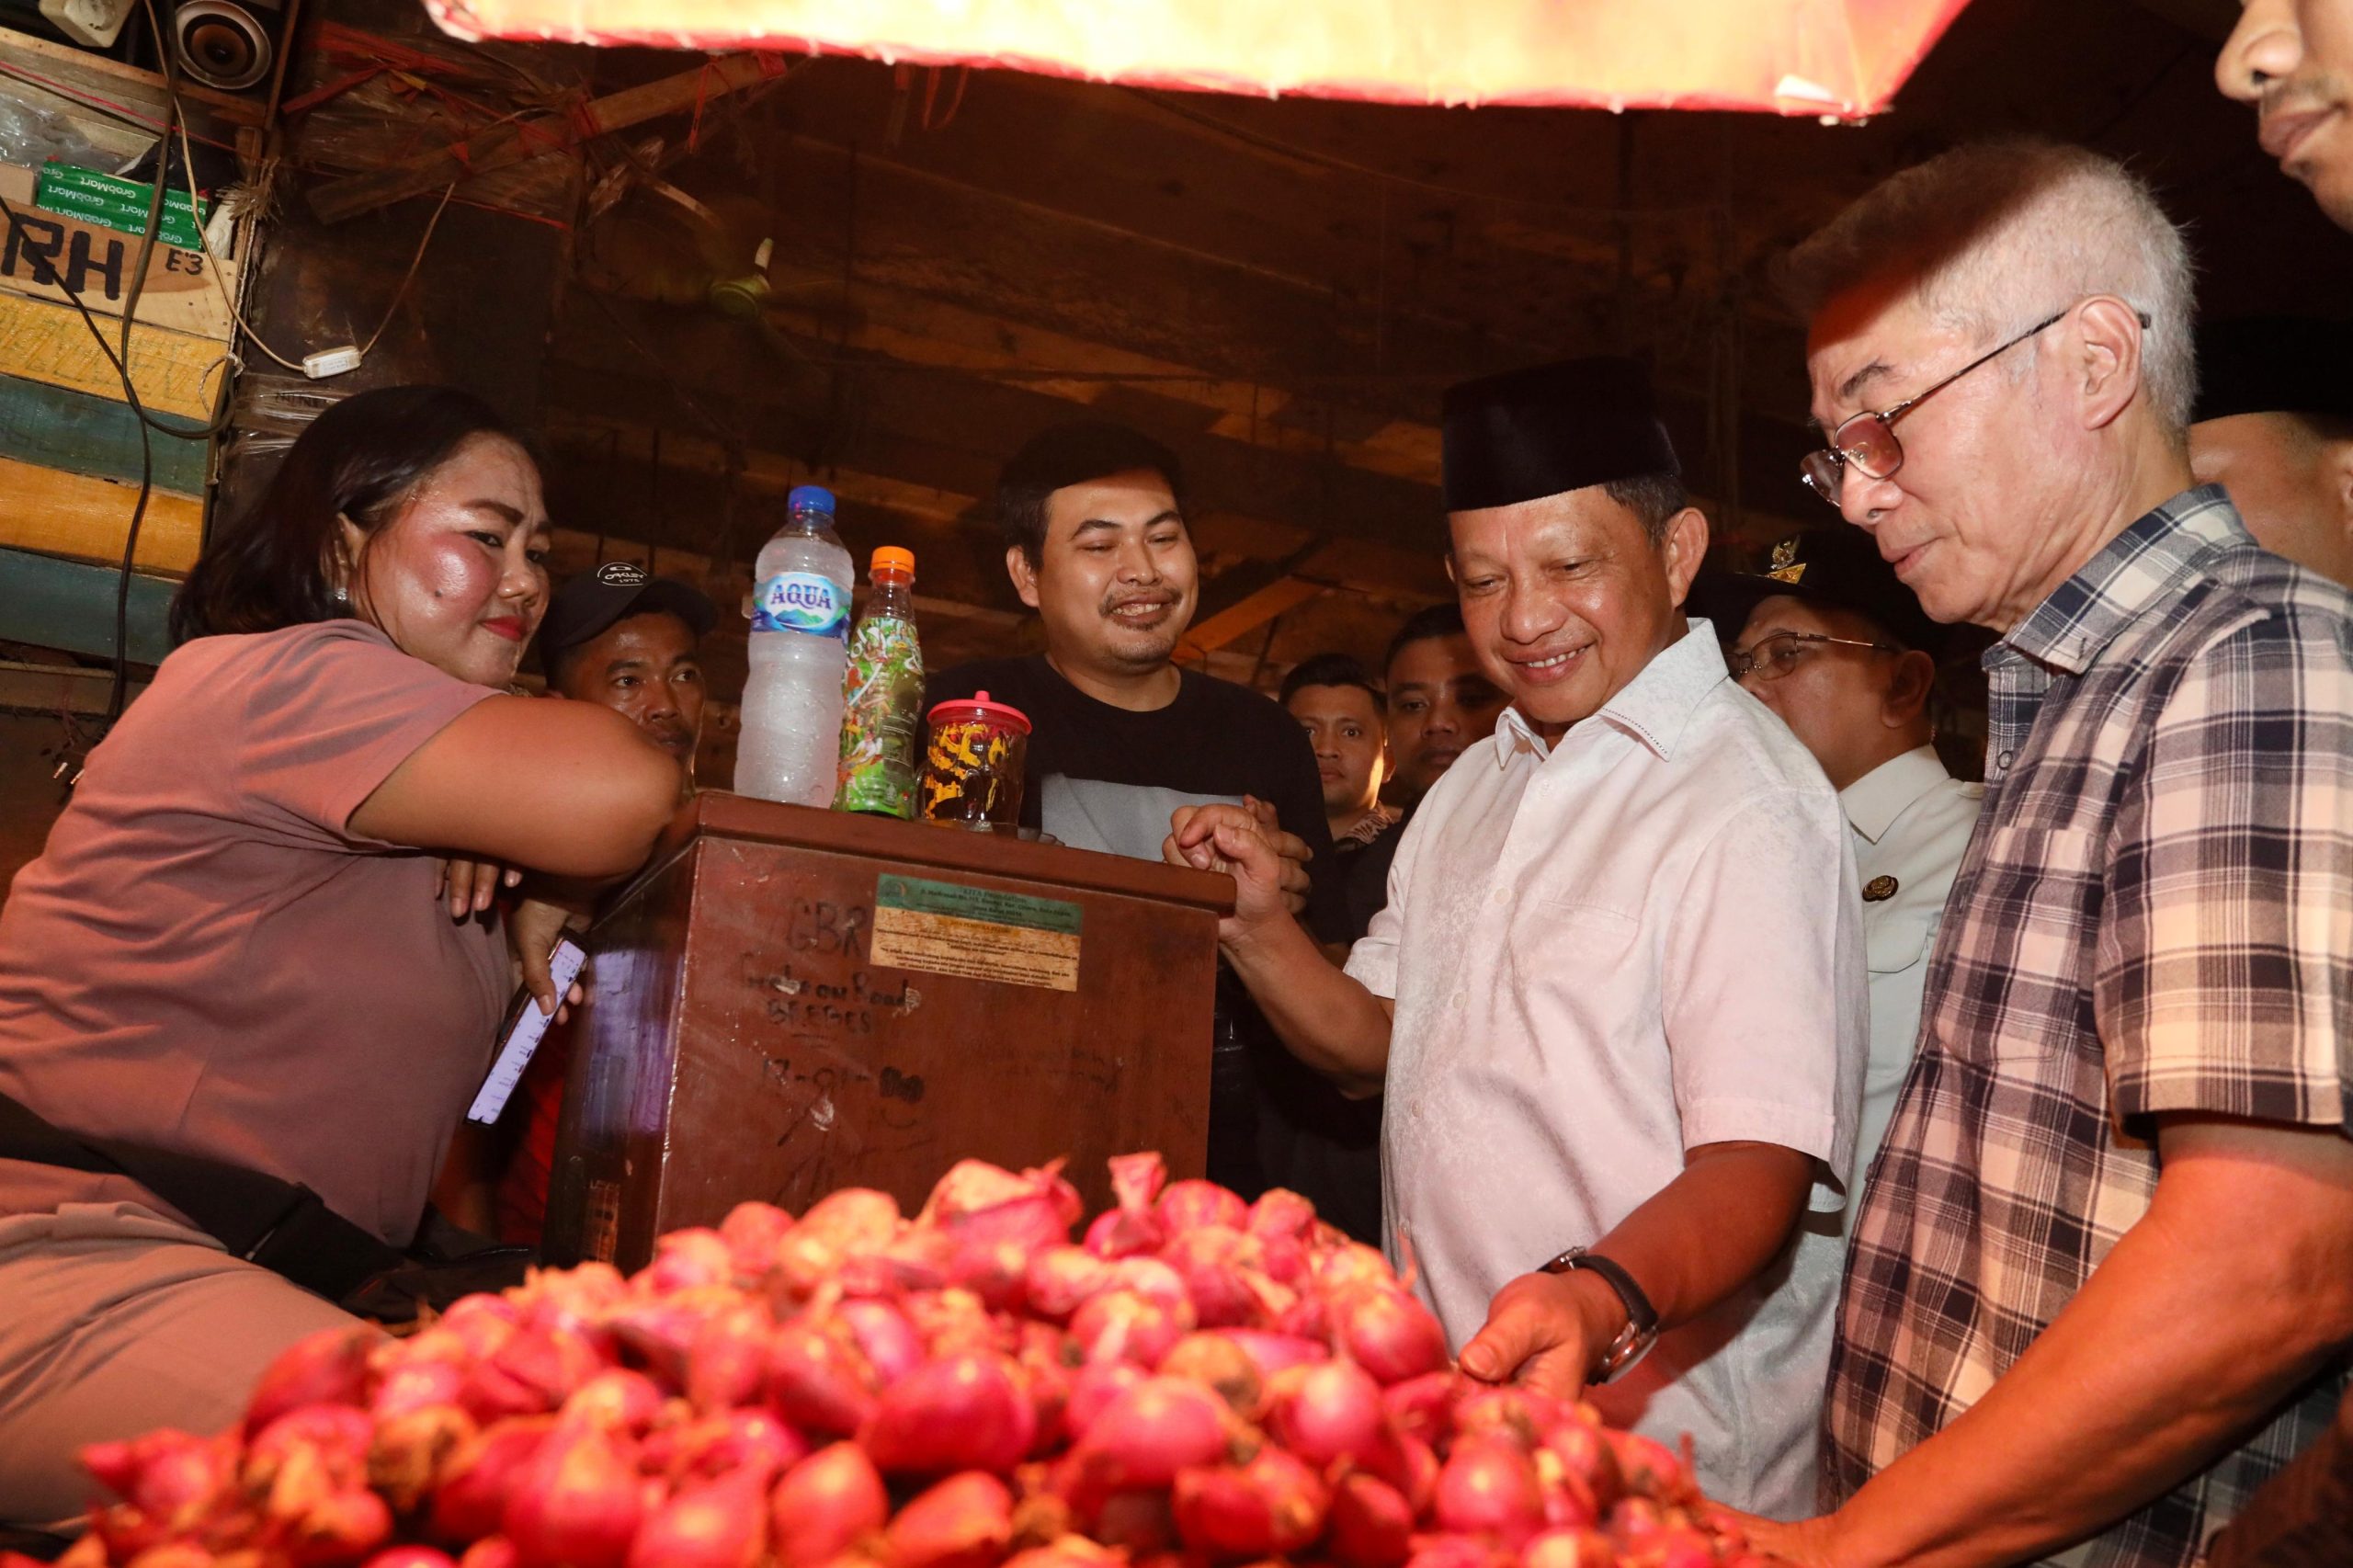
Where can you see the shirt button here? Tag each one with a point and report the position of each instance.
(1503, 896)
(2004, 760)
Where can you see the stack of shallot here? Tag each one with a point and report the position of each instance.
(1200, 1381)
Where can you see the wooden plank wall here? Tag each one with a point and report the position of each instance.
(71, 449)
(49, 602)
(82, 433)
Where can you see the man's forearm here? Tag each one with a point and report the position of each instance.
(1689, 1246)
(1713, 1228)
(1329, 1020)
(2183, 1339)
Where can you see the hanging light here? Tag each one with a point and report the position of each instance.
(1842, 58)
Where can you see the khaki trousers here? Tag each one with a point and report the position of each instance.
(115, 1321)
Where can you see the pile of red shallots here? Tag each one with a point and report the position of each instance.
(1202, 1381)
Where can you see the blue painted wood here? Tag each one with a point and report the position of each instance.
(54, 427)
(69, 605)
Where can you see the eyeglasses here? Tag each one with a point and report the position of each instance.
(1867, 441)
(1776, 654)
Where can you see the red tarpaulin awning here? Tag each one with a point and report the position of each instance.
(1822, 57)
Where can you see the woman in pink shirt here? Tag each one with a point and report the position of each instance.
(238, 944)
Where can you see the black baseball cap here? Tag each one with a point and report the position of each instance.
(589, 603)
(1839, 568)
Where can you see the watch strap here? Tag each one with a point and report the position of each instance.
(1642, 1319)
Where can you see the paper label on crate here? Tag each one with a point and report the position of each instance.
(949, 928)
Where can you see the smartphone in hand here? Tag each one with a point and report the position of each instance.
(526, 1027)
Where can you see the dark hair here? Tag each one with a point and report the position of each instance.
(1424, 626)
(1071, 454)
(1654, 498)
(1329, 669)
(361, 458)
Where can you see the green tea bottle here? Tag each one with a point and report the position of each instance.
(882, 695)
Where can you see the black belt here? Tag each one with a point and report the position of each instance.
(277, 1224)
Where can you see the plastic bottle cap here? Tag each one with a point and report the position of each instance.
(978, 706)
(890, 558)
(816, 496)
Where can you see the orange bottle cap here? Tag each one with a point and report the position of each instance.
(890, 558)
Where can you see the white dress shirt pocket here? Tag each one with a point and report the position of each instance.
(1897, 940)
(1599, 933)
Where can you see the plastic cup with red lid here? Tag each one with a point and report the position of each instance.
(973, 769)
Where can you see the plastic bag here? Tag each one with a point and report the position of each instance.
(32, 136)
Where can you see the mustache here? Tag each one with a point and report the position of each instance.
(2307, 93)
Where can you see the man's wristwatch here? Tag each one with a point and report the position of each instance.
(1634, 1340)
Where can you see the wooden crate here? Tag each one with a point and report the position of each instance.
(83, 518)
(66, 605)
(181, 293)
(83, 433)
(176, 373)
(70, 446)
(801, 1001)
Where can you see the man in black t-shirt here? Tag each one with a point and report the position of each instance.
(1439, 703)
(1121, 737)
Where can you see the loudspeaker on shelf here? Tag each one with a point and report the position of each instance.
(227, 45)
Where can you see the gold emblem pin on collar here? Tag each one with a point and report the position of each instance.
(1878, 890)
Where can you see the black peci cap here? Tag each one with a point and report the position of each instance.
(2275, 365)
(1527, 434)
(589, 603)
(1837, 567)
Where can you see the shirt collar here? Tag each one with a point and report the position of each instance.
(2135, 570)
(1369, 826)
(1655, 707)
(1873, 801)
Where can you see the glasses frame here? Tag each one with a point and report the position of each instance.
(1824, 470)
(1743, 662)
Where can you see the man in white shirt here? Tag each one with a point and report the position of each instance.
(1833, 643)
(1617, 1029)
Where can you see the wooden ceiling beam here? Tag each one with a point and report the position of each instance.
(1251, 612)
(919, 233)
(1381, 571)
(591, 436)
(918, 464)
(941, 249)
(902, 326)
(942, 429)
(1194, 173)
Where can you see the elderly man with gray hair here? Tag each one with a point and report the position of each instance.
(2102, 1280)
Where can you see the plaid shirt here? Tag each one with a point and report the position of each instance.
(2151, 917)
